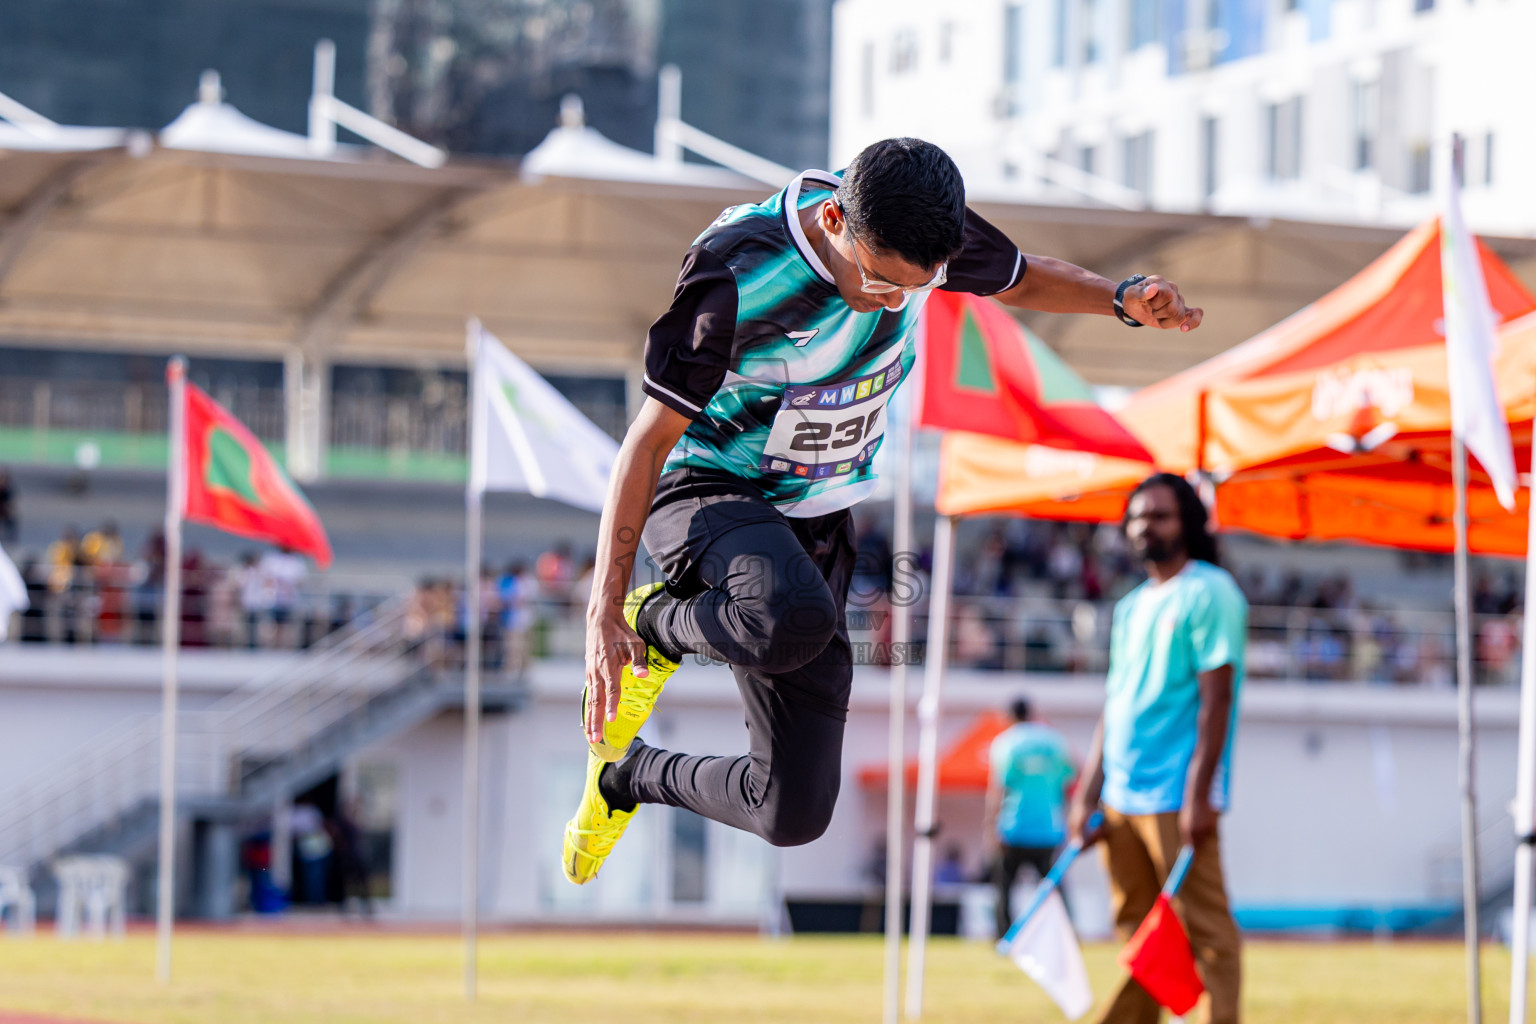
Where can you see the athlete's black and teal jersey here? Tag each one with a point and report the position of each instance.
(785, 383)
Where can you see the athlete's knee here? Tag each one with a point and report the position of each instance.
(799, 627)
(795, 825)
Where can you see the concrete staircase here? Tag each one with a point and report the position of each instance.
(276, 736)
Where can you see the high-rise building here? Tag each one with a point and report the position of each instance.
(758, 75)
(1315, 109)
(136, 65)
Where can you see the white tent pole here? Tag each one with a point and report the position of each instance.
(474, 495)
(170, 633)
(1525, 779)
(926, 798)
(1467, 750)
(901, 637)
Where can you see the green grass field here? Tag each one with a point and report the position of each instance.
(234, 978)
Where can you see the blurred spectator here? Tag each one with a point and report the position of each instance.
(282, 571)
(151, 588)
(951, 867)
(34, 621)
(312, 842)
(102, 544)
(8, 522)
(513, 597)
(351, 864)
(194, 600)
(1498, 642)
(255, 597)
(555, 572)
(61, 558)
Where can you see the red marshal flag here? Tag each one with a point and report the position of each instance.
(987, 374)
(233, 483)
(1159, 957)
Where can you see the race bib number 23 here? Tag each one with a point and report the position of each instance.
(829, 430)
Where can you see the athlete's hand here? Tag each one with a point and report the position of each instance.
(1156, 302)
(611, 645)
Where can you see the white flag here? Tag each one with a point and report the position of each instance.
(526, 436)
(1046, 949)
(1470, 343)
(13, 593)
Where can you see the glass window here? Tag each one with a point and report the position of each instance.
(690, 881)
(1208, 154)
(1059, 50)
(904, 52)
(1090, 32)
(1087, 158)
(867, 80)
(1143, 23)
(1013, 44)
(1488, 159)
(1418, 169)
(1420, 6)
(1367, 107)
(1136, 163)
(1283, 129)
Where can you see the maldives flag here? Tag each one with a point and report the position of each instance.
(1159, 957)
(233, 483)
(987, 374)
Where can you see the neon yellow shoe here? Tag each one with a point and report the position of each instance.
(589, 837)
(637, 697)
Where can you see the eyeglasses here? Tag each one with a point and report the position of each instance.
(874, 286)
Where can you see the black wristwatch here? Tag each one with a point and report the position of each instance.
(1120, 312)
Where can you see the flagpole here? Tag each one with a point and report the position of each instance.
(1464, 730)
(1525, 777)
(170, 633)
(474, 496)
(901, 635)
(924, 824)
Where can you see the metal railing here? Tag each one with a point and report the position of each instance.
(278, 710)
(1043, 634)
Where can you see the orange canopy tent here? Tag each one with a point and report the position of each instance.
(1334, 424)
(965, 767)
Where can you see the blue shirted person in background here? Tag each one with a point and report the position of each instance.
(1026, 816)
(1161, 760)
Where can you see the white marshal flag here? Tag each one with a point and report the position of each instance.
(1046, 949)
(535, 440)
(1477, 417)
(13, 593)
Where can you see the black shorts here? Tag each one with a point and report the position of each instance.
(695, 507)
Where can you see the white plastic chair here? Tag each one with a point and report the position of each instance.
(93, 892)
(17, 897)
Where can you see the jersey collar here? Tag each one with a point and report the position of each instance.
(791, 204)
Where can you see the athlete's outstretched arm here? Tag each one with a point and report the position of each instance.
(1056, 286)
(611, 644)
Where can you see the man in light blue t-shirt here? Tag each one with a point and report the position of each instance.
(1160, 765)
(1026, 815)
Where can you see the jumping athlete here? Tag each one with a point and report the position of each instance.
(766, 383)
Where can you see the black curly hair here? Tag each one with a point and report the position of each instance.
(1194, 519)
(905, 196)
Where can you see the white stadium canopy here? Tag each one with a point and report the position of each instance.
(224, 236)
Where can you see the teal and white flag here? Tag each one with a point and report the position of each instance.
(13, 593)
(1477, 417)
(528, 437)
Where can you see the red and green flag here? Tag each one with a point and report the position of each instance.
(234, 484)
(988, 374)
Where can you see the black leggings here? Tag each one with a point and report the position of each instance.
(768, 599)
